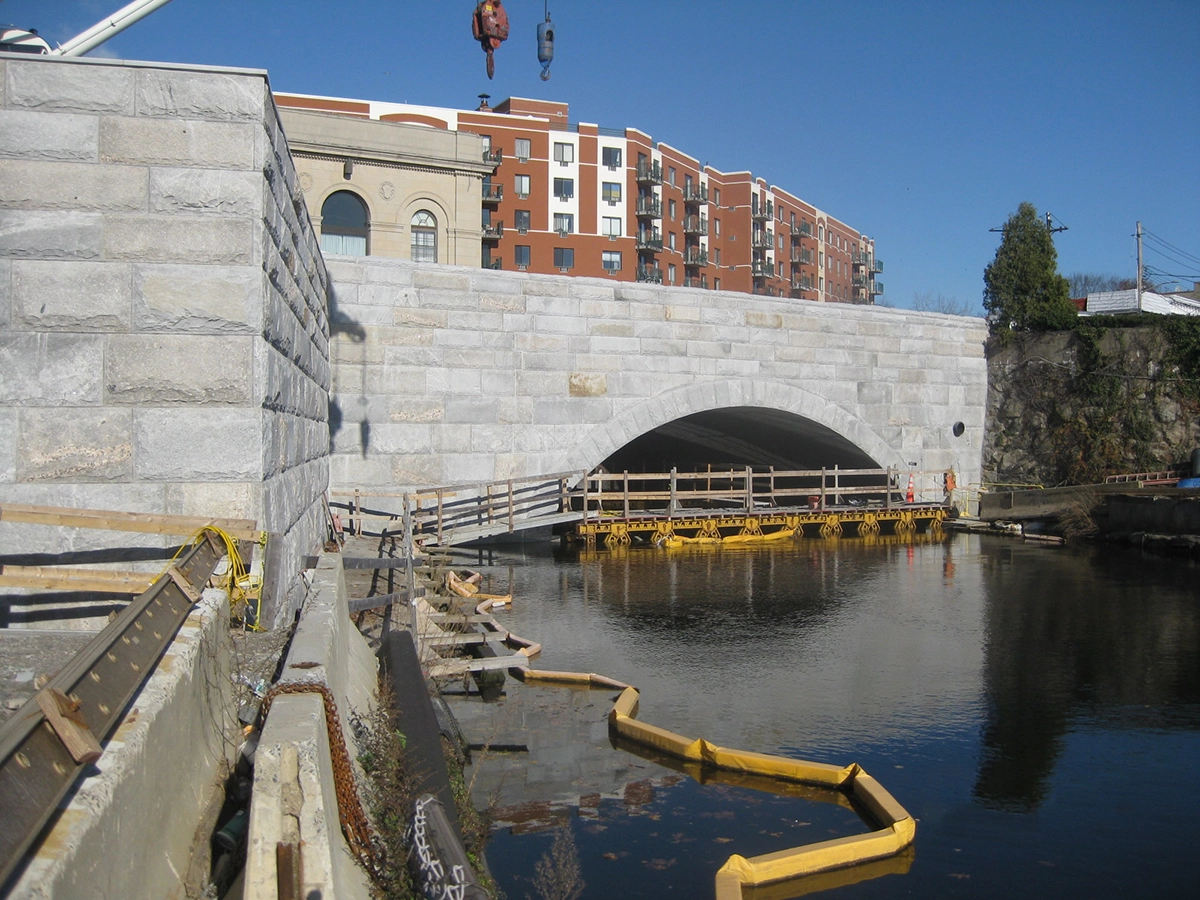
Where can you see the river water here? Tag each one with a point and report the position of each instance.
(1036, 708)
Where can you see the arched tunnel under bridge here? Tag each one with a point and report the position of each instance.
(735, 438)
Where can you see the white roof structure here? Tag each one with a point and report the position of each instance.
(1108, 303)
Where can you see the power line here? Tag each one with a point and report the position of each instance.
(1169, 245)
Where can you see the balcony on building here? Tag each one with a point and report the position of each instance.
(492, 193)
(801, 257)
(493, 231)
(650, 240)
(695, 281)
(763, 268)
(803, 230)
(762, 212)
(695, 193)
(494, 157)
(859, 259)
(649, 173)
(876, 288)
(877, 265)
(762, 240)
(695, 225)
(649, 207)
(801, 288)
(649, 274)
(695, 256)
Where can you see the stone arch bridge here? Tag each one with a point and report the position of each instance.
(446, 375)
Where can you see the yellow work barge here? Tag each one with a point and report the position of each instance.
(712, 527)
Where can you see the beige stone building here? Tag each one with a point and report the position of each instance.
(385, 189)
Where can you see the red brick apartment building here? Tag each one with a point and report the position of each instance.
(609, 203)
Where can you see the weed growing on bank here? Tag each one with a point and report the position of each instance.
(389, 797)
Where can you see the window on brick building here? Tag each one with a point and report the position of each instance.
(521, 185)
(671, 274)
(611, 192)
(564, 223)
(671, 175)
(521, 220)
(611, 260)
(564, 188)
(671, 208)
(564, 153)
(671, 240)
(521, 256)
(716, 284)
(345, 224)
(611, 157)
(612, 226)
(521, 148)
(564, 258)
(717, 196)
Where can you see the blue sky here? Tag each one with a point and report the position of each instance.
(923, 124)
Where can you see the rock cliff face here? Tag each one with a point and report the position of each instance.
(1072, 407)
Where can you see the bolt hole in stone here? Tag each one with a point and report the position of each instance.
(958, 429)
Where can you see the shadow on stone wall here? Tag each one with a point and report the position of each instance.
(341, 324)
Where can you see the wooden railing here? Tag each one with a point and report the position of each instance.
(459, 513)
(629, 493)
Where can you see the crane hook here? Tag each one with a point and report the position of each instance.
(489, 25)
(545, 39)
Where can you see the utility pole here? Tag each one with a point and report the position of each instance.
(1139, 277)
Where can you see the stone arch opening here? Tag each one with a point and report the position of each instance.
(758, 423)
(737, 437)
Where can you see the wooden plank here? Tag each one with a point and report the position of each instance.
(64, 717)
(457, 640)
(451, 667)
(367, 603)
(115, 520)
(54, 578)
(458, 617)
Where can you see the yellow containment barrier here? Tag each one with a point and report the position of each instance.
(896, 832)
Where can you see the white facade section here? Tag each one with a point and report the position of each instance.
(612, 174)
(564, 164)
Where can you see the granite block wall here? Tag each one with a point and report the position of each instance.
(447, 375)
(164, 328)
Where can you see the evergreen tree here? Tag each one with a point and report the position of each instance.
(1023, 290)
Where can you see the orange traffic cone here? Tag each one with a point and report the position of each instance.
(909, 496)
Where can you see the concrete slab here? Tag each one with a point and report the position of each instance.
(27, 654)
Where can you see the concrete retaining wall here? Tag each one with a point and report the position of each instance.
(447, 375)
(294, 796)
(163, 302)
(1160, 513)
(129, 829)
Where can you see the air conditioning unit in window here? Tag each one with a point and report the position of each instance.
(522, 268)
(612, 237)
(523, 159)
(612, 202)
(522, 230)
(564, 162)
(563, 232)
(563, 269)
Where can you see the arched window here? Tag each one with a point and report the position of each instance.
(424, 237)
(344, 224)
